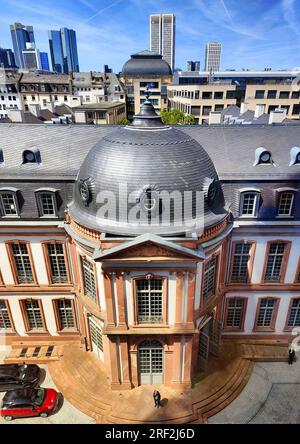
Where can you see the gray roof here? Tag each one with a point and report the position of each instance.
(146, 63)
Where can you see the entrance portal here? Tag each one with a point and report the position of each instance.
(150, 362)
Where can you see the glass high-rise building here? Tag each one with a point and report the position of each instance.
(7, 58)
(162, 36)
(21, 35)
(213, 57)
(44, 61)
(193, 65)
(63, 51)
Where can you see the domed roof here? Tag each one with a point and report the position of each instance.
(123, 182)
(146, 63)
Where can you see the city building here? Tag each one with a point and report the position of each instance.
(21, 35)
(144, 70)
(105, 113)
(97, 87)
(9, 93)
(63, 51)
(267, 90)
(162, 36)
(7, 59)
(193, 66)
(45, 61)
(151, 300)
(213, 57)
(31, 57)
(44, 89)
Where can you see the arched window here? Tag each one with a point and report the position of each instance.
(149, 299)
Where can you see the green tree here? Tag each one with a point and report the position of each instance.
(176, 117)
(123, 121)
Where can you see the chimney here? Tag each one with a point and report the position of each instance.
(15, 115)
(277, 116)
(215, 118)
(35, 109)
(50, 106)
(244, 107)
(259, 110)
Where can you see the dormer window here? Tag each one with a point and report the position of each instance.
(249, 204)
(9, 203)
(32, 156)
(47, 203)
(1, 156)
(295, 156)
(263, 157)
(285, 204)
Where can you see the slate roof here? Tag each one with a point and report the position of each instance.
(146, 63)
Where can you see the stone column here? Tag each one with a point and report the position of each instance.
(125, 364)
(176, 363)
(114, 365)
(191, 297)
(120, 299)
(188, 353)
(179, 297)
(111, 322)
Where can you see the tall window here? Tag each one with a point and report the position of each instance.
(5, 322)
(8, 204)
(249, 204)
(47, 203)
(65, 314)
(34, 315)
(285, 205)
(22, 262)
(240, 261)
(89, 280)
(276, 256)
(235, 308)
(266, 313)
(149, 294)
(294, 315)
(209, 282)
(57, 262)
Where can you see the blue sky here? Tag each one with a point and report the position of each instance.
(254, 33)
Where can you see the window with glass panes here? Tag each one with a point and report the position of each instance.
(240, 262)
(57, 263)
(34, 315)
(22, 263)
(65, 314)
(149, 294)
(89, 280)
(265, 313)
(248, 204)
(5, 322)
(285, 206)
(294, 317)
(8, 204)
(47, 204)
(234, 313)
(209, 278)
(275, 261)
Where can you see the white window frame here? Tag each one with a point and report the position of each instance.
(16, 203)
(280, 193)
(254, 214)
(39, 194)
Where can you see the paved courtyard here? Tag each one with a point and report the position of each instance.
(272, 396)
(66, 415)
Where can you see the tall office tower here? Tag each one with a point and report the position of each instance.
(213, 57)
(193, 65)
(21, 35)
(162, 36)
(44, 61)
(31, 56)
(63, 50)
(7, 58)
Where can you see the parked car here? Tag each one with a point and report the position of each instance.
(14, 376)
(29, 402)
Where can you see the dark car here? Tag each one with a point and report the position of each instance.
(14, 376)
(29, 402)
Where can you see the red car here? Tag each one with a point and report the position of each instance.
(29, 402)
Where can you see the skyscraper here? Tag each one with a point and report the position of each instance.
(7, 58)
(193, 65)
(63, 51)
(31, 56)
(45, 61)
(213, 57)
(21, 35)
(162, 36)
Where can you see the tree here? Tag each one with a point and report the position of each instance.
(176, 117)
(123, 121)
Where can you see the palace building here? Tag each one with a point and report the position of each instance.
(151, 296)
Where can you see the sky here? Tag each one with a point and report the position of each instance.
(255, 34)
